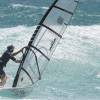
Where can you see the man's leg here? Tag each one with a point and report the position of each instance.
(3, 78)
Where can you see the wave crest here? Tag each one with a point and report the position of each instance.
(27, 6)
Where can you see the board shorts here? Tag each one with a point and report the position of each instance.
(3, 78)
(2, 73)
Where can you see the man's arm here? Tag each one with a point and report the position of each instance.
(15, 60)
(14, 54)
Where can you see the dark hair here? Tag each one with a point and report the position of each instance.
(10, 48)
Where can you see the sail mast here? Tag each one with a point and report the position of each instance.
(31, 41)
(42, 20)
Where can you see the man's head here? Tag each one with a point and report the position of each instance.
(10, 48)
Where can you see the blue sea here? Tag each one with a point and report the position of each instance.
(74, 70)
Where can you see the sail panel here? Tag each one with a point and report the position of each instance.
(33, 68)
(24, 79)
(44, 42)
(67, 4)
(56, 21)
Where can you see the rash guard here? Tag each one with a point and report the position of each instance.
(5, 58)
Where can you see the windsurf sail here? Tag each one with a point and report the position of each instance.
(44, 41)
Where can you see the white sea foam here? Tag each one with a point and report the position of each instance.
(98, 75)
(27, 6)
(19, 36)
(78, 43)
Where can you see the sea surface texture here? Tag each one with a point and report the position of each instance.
(74, 70)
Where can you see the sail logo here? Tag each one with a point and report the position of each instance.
(60, 20)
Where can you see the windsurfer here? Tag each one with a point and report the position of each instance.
(7, 55)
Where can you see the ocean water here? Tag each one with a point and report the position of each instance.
(74, 70)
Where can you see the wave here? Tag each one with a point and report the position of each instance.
(18, 36)
(78, 43)
(27, 6)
